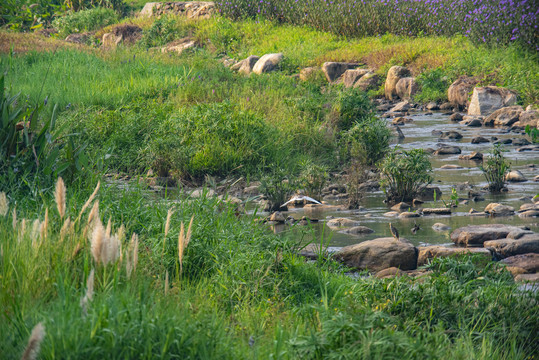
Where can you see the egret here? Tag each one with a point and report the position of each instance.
(301, 198)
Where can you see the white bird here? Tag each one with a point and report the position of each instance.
(301, 198)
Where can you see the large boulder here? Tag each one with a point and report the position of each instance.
(402, 106)
(505, 247)
(528, 262)
(448, 150)
(496, 209)
(358, 230)
(476, 235)
(486, 100)
(379, 254)
(394, 74)
(189, 9)
(334, 70)
(506, 116)
(369, 81)
(267, 63)
(437, 251)
(121, 34)
(309, 73)
(528, 117)
(351, 76)
(406, 88)
(178, 46)
(459, 92)
(340, 222)
(248, 64)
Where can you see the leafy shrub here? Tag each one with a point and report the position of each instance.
(369, 140)
(77, 5)
(353, 106)
(214, 139)
(533, 133)
(31, 148)
(162, 31)
(277, 186)
(404, 174)
(85, 20)
(434, 85)
(28, 14)
(313, 178)
(495, 168)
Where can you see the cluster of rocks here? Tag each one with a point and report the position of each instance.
(190, 9)
(255, 64)
(516, 247)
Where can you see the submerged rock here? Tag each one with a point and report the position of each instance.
(358, 230)
(475, 156)
(441, 227)
(496, 209)
(448, 150)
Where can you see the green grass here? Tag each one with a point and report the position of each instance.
(239, 282)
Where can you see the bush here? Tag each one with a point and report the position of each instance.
(28, 14)
(434, 85)
(162, 31)
(353, 106)
(313, 178)
(405, 173)
(32, 149)
(85, 20)
(369, 140)
(277, 186)
(495, 168)
(215, 139)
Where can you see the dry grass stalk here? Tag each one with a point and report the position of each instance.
(65, 229)
(97, 240)
(22, 229)
(167, 228)
(36, 233)
(14, 219)
(88, 202)
(92, 217)
(60, 197)
(4, 204)
(109, 228)
(166, 283)
(120, 234)
(183, 241)
(89, 293)
(45, 225)
(135, 252)
(132, 255)
(34, 343)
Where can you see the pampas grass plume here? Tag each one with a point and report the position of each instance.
(88, 202)
(4, 204)
(34, 343)
(60, 197)
(89, 293)
(45, 225)
(96, 241)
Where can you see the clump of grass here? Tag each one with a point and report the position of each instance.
(494, 168)
(85, 20)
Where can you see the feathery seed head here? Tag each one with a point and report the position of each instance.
(4, 204)
(60, 197)
(97, 241)
(34, 343)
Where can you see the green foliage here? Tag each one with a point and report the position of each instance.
(533, 133)
(31, 148)
(313, 178)
(78, 5)
(354, 106)
(434, 84)
(368, 140)
(404, 174)
(495, 168)
(215, 139)
(162, 31)
(277, 185)
(85, 20)
(29, 14)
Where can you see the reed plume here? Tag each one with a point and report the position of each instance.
(4, 204)
(97, 240)
(36, 227)
(109, 228)
(14, 219)
(60, 197)
(183, 241)
(22, 230)
(88, 202)
(132, 255)
(89, 293)
(45, 225)
(135, 252)
(166, 283)
(34, 343)
(167, 228)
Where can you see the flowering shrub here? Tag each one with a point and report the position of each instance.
(483, 21)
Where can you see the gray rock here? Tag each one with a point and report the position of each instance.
(401, 107)
(267, 63)
(528, 117)
(401, 121)
(369, 81)
(379, 254)
(309, 73)
(459, 91)
(486, 100)
(408, 215)
(515, 176)
(402, 206)
(406, 88)
(351, 76)
(277, 217)
(529, 213)
(358, 230)
(334, 70)
(451, 135)
(476, 235)
(427, 253)
(448, 150)
(506, 247)
(436, 211)
(456, 117)
(496, 209)
(427, 194)
(505, 116)
(441, 227)
(451, 167)
(341, 222)
(394, 74)
(432, 106)
(475, 156)
(248, 64)
(479, 140)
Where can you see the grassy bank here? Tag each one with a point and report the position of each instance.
(240, 293)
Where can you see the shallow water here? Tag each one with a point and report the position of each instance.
(419, 135)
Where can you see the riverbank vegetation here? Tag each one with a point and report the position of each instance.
(114, 269)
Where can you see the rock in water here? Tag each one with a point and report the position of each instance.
(406, 88)
(476, 235)
(379, 254)
(486, 100)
